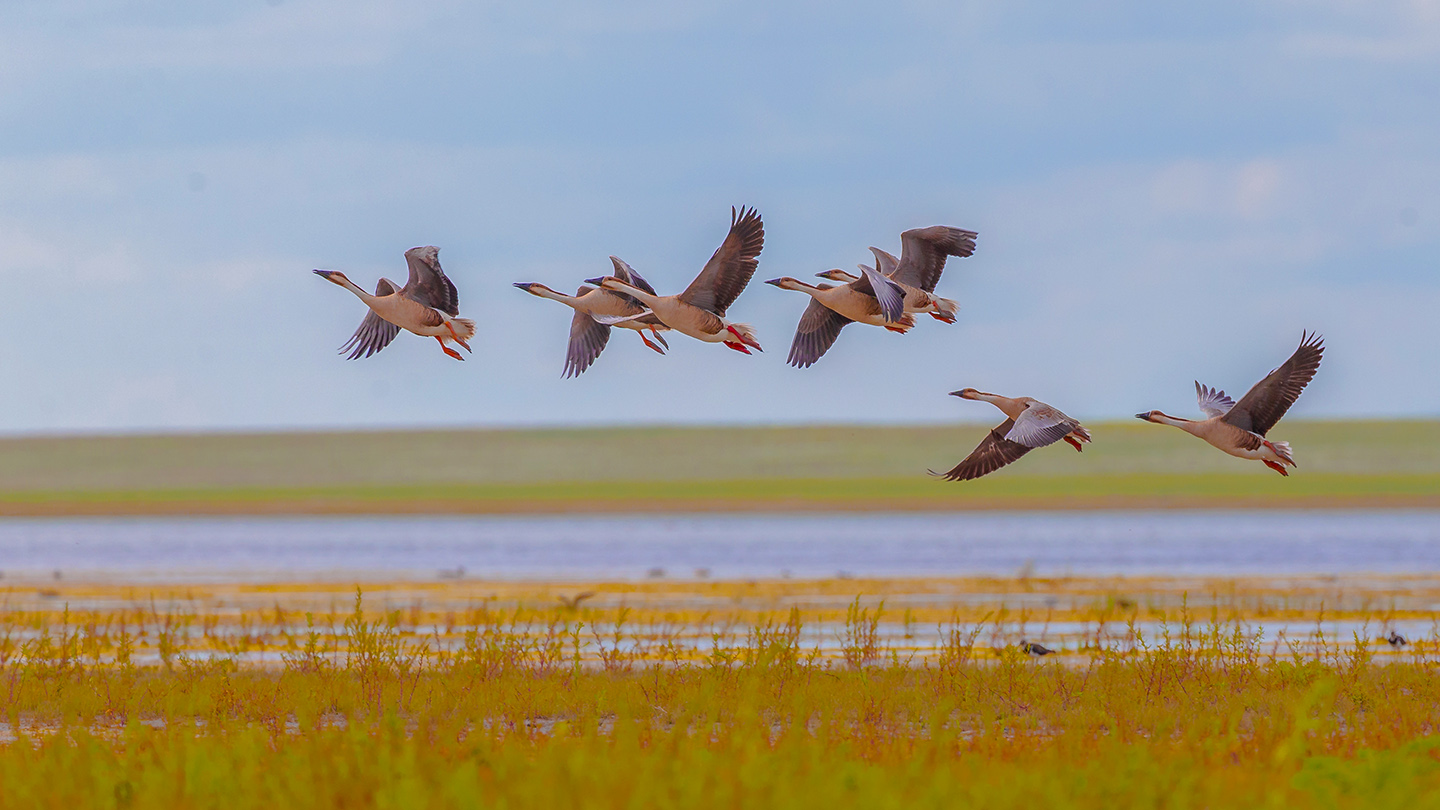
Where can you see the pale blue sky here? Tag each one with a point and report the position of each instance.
(1162, 194)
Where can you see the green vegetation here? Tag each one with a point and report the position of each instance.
(516, 702)
(638, 469)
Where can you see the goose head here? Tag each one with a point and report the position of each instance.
(1157, 417)
(533, 287)
(790, 283)
(333, 276)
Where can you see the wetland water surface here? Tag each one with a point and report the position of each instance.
(1216, 543)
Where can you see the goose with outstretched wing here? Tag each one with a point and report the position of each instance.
(1029, 424)
(923, 252)
(596, 311)
(700, 310)
(428, 305)
(870, 299)
(1240, 428)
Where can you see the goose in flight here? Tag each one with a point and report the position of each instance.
(923, 252)
(870, 299)
(1240, 428)
(588, 335)
(1030, 423)
(427, 305)
(699, 311)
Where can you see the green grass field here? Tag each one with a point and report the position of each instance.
(672, 469)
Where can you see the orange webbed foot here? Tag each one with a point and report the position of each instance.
(447, 349)
(454, 336)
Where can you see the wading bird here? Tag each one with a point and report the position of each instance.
(1239, 428)
(588, 336)
(923, 252)
(427, 305)
(1031, 648)
(1030, 424)
(699, 311)
(871, 299)
(1396, 640)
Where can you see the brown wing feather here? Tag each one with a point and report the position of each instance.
(730, 269)
(374, 333)
(818, 329)
(923, 252)
(1263, 405)
(587, 339)
(427, 282)
(993, 453)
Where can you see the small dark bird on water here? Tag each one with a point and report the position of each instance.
(1031, 648)
(1396, 640)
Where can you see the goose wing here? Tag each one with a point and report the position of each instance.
(923, 252)
(375, 333)
(1040, 425)
(627, 274)
(993, 453)
(427, 283)
(885, 261)
(818, 329)
(587, 339)
(730, 269)
(1213, 401)
(1263, 405)
(890, 295)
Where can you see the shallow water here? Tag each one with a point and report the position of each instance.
(1212, 543)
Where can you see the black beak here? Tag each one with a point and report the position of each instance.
(524, 285)
(325, 274)
(775, 281)
(1144, 416)
(956, 393)
(596, 281)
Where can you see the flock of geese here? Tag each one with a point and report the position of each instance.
(890, 294)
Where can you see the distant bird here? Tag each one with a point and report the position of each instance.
(573, 602)
(871, 299)
(923, 252)
(1396, 640)
(1031, 648)
(699, 311)
(1239, 429)
(1031, 424)
(427, 305)
(588, 336)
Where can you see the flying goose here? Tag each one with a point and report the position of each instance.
(699, 311)
(588, 335)
(427, 305)
(1239, 428)
(1030, 424)
(923, 252)
(871, 299)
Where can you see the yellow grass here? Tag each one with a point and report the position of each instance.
(877, 693)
